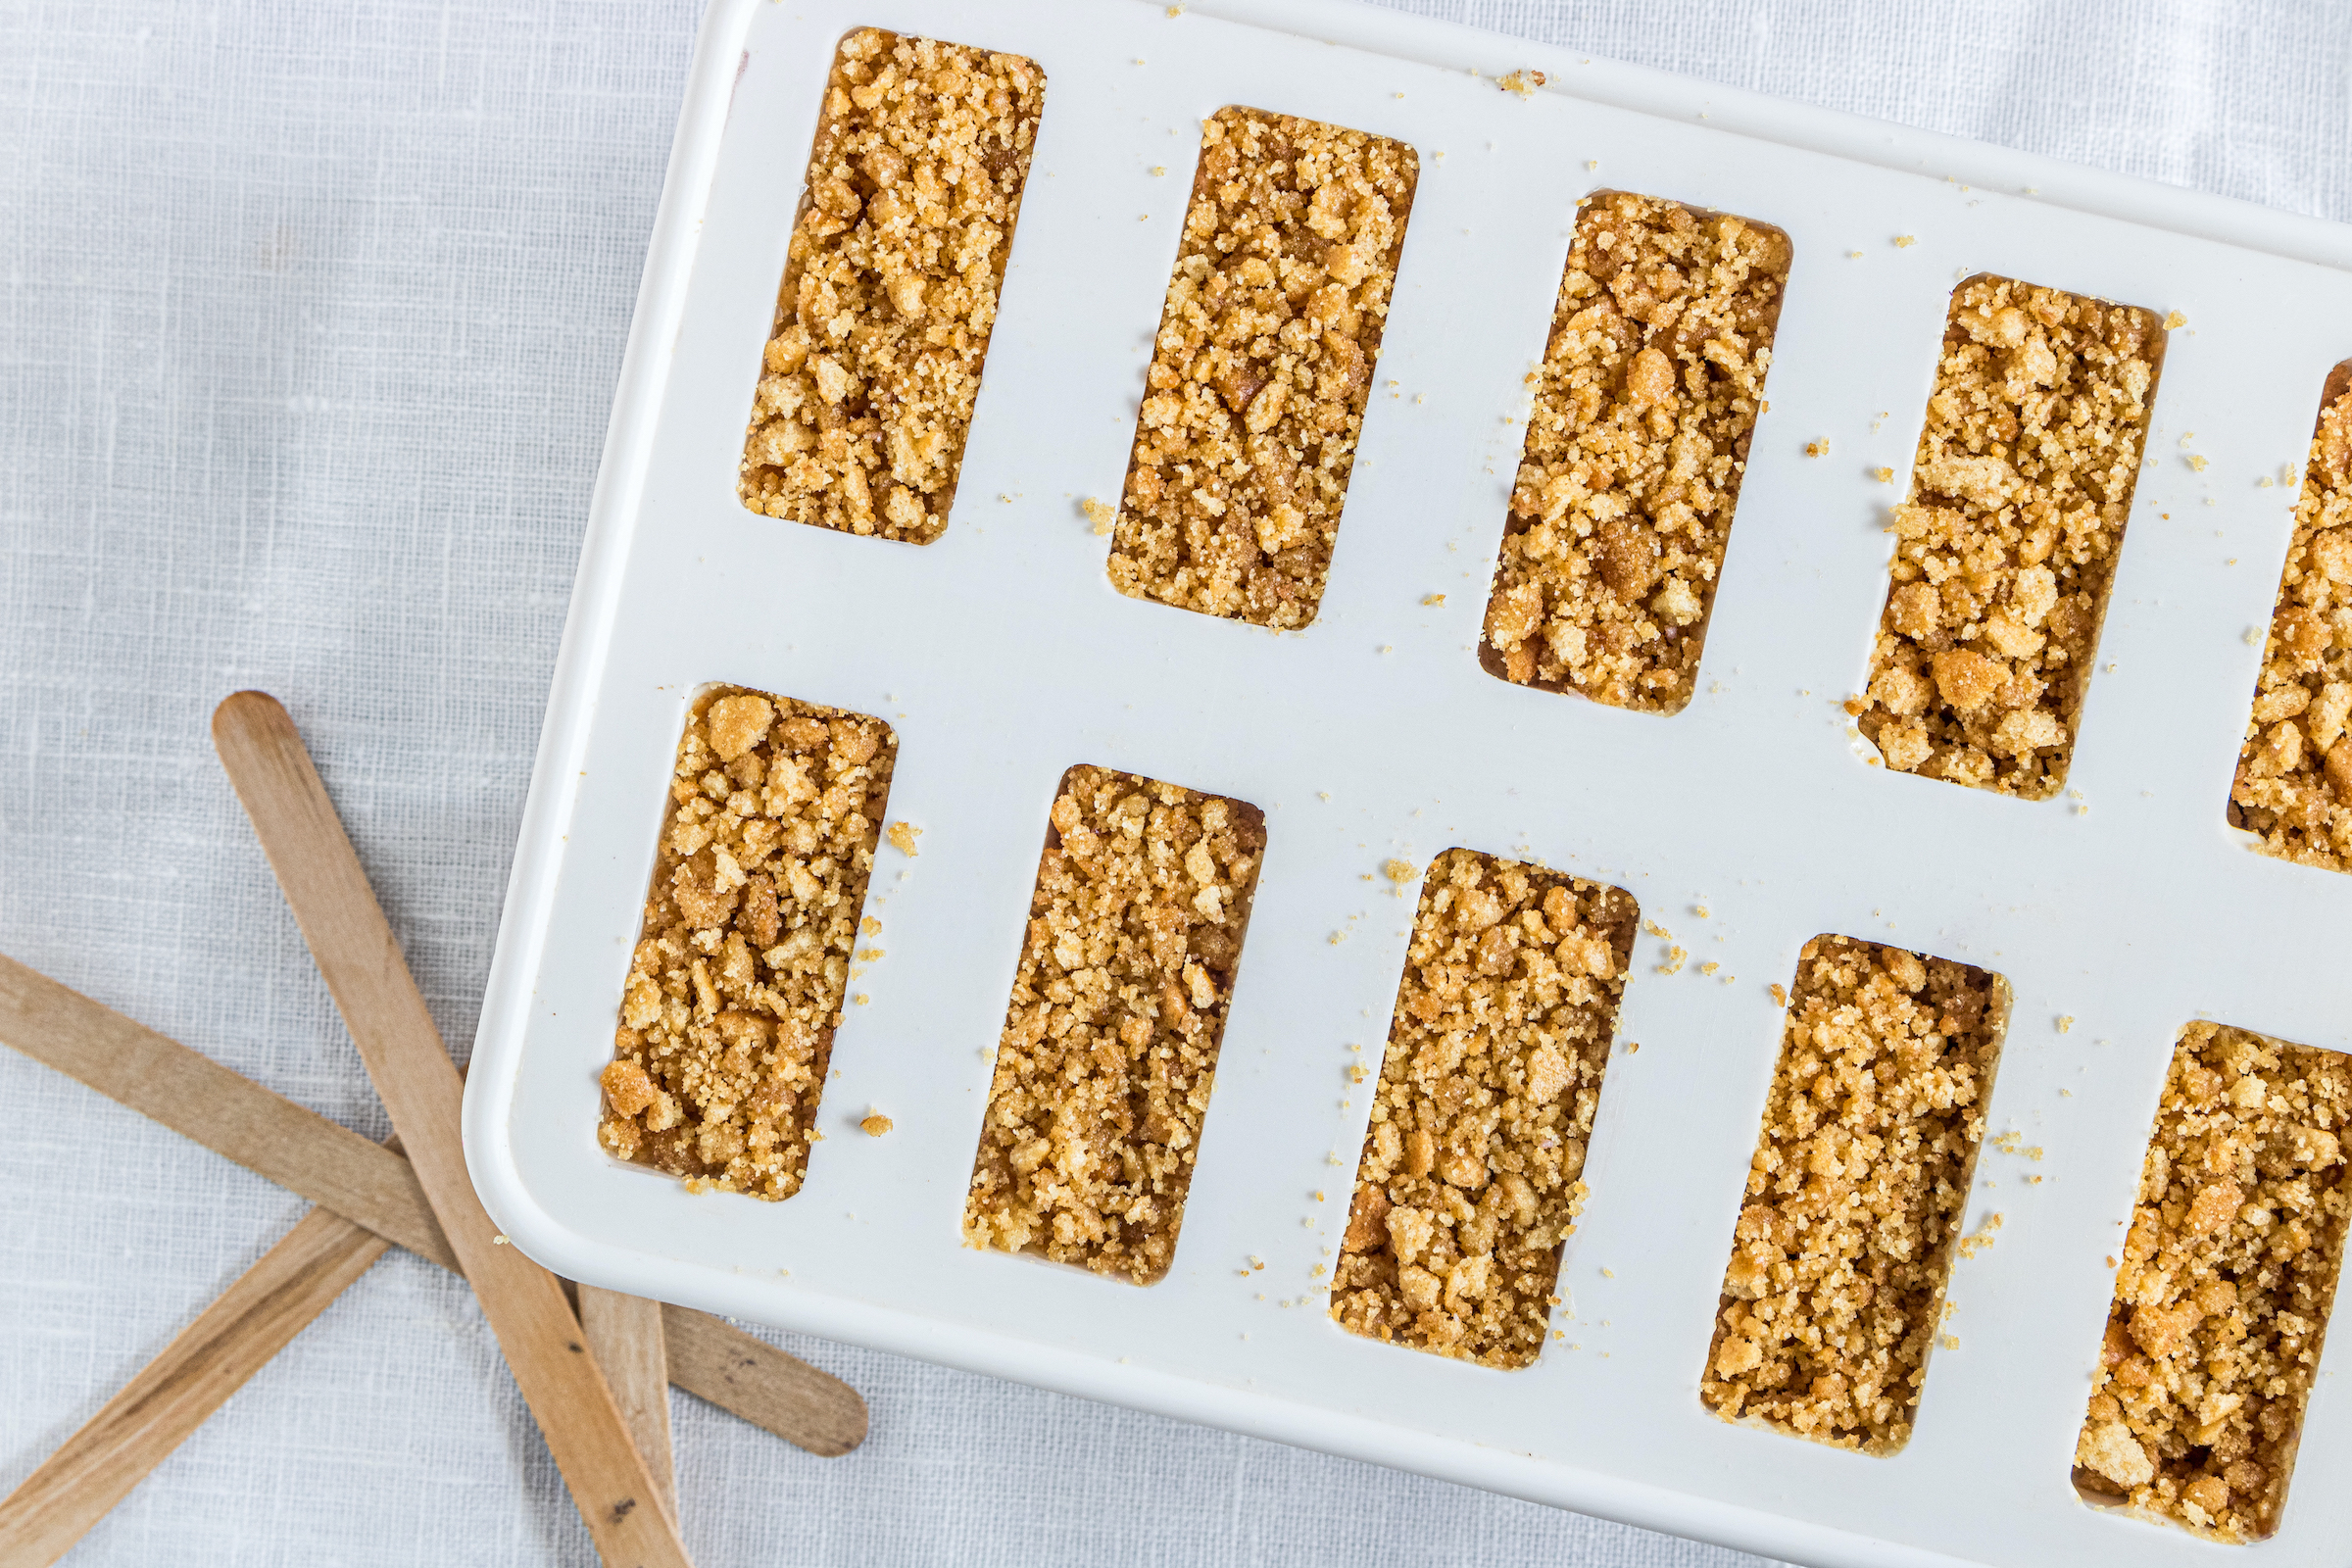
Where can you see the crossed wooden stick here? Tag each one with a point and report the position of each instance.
(595, 1380)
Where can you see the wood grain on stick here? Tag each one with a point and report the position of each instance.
(739, 1373)
(370, 1185)
(369, 980)
(227, 1112)
(230, 1341)
(625, 1335)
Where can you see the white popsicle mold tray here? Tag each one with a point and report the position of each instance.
(1002, 655)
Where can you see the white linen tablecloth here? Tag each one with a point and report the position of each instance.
(311, 320)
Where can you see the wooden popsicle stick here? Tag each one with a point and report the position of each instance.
(360, 960)
(625, 1335)
(370, 1185)
(157, 1411)
(220, 1107)
(721, 1369)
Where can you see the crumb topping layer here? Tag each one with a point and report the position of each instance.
(1264, 360)
(1636, 446)
(1469, 1182)
(735, 985)
(1109, 1047)
(2008, 544)
(1855, 1196)
(2294, 774)
(2227, 1273)
(889, 286)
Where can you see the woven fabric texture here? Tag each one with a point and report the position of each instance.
(310, 316)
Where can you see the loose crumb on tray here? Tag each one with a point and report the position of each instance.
(2006, 547)
(1854, 1198)
(735, 985)
(2294, 788)
(1262, 366)
(875, 1124)
(2227, 1273)
(889, 286)
(1636, 446)
(1469, 1178)
(1109, 1047)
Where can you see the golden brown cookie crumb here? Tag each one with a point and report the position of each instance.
(1109, 1049)
(735, 987)
(2294, 774)
(2006, 545)
(901, 836)
(2227, 1273)
(1636, 446)
(1855, 1194)
(875, 1124)
(1468, 1183)
(1264, 364)
(889, 286)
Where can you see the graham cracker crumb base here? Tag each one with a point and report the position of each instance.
(2008, 544)
(1263, 368)
(1854, 1198)
(1636, 446)
(735, 985)
(2293, 789)
(2222, 1298)
(890, 287)
(1469, 1178)
(1109, 1047)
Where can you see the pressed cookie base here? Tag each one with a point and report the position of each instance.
(1109, 1047)
(1854, 1197)
(2294, 774)
(1264, 360)
(735, 985)
(890, 287)
(1649, 392)
(2228, 1272)
(2006, 547)
(1469, 1180)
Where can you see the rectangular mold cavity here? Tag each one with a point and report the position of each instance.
(1824, 1329)
(2008, 544)
(2293, 789)
(1109, 1049)
(1649, 389)
(735, 983)
(2228, 1271)
(1267, 347)
(1468, 1183)
(889, 289)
